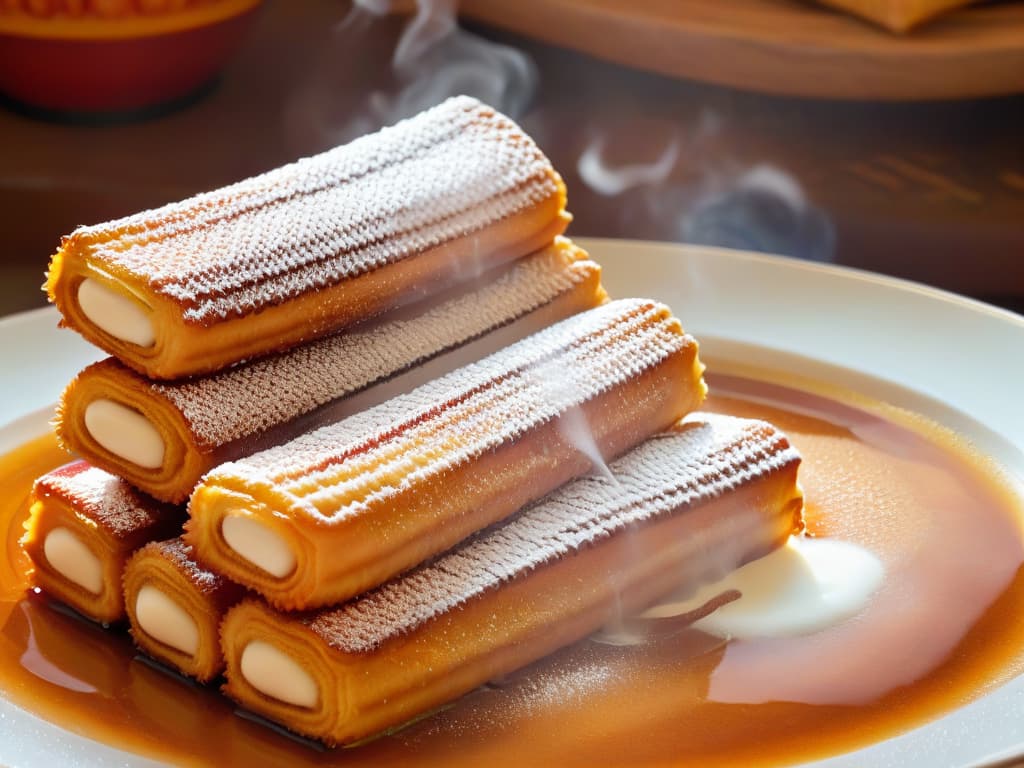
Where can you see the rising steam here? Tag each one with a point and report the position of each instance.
(611, 181)
(689, 193)
(763, 209)
(436, 59)
(433, 60)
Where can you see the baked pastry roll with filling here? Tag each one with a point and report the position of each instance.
(682, 508)
(897, 15)
(163, 436)
(346, 507)
(175, 607)
(83, 526)
(311, 247)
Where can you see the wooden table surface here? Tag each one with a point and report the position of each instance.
(933, 192)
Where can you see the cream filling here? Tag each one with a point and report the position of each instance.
(118, 315)
(258, 544)
(125, 432)
(73, 560)
(274, 673)
(164, 619)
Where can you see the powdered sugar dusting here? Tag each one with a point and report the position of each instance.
(251, 398)
(707, 456)
(340, 469)
(102, 497)
(448, 172)
(564, 686)
(181, 557)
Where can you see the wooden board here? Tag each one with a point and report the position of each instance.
(783, 46)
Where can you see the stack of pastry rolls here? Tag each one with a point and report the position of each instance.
(356, 405)
(244, 317)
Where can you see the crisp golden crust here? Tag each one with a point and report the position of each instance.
(110, 518)
(453, 456)
(171, 567)
(712, 493)
(320, 244)
(224, 416)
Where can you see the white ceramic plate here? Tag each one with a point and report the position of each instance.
(956, 360)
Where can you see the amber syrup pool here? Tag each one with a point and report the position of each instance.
(943, 629)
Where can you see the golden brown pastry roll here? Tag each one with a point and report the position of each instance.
(345, 507)
(175, 607)
(163, 436)
(684, 507)
(311, 247)
(83, 525)
(896, 15)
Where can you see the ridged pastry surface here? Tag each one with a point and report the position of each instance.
(704, 457)
(339, 470)
(444, 174)
(101, 497)
(182, 558)
(256, 396)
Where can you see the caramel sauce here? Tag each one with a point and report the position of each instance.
(943, 630)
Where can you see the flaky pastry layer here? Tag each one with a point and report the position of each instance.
(171, 567)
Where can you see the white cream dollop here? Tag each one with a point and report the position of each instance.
(803, 587)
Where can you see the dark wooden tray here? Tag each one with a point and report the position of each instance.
(783, 46)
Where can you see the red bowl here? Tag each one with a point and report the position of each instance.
(111, 56)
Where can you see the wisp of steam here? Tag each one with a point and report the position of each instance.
(435, 59)
(609, 181)
(763, 209)
(687, 195)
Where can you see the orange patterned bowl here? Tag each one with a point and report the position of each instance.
(89, 56)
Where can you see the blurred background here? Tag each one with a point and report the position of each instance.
(769, 125)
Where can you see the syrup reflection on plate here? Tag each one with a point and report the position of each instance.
(924, 610)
